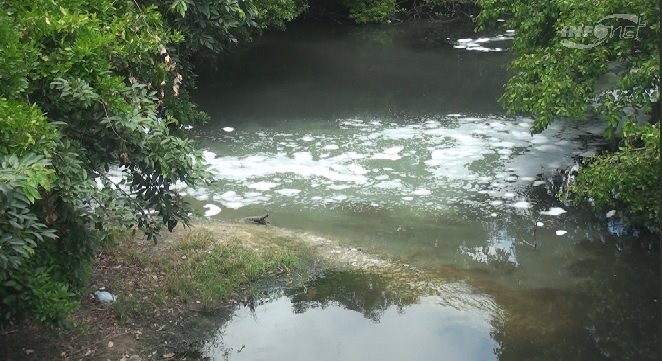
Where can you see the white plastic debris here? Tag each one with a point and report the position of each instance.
(228, 129)
(105, 297)
(560, 233)
(539, 224)
(611, 213)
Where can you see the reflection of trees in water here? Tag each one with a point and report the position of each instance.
(366, 293)
(623, 317)
(542, 324)
(500, 248)
(610, 315)
(605, 311)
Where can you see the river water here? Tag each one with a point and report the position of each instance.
(390, 139)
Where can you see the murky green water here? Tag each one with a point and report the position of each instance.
(389, 138)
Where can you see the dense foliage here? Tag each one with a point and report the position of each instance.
(369, 11)
(89, 115)
(577, 60)
(214, 25)
(628, 178)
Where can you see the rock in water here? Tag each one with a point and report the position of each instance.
(105, 297)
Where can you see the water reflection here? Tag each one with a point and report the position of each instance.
(390, 139)
(365, 316)
(346, 316)
(363, 293)
(327, 72)
(500, 247)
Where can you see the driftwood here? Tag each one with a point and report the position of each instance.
(257, 220)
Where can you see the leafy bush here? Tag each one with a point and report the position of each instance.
(628, 178)
(90, 112)
(371, 11)
(33, 291)
(214, 25)
(553, 81)
(20, 229)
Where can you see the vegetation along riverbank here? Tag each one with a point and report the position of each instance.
(160, 290)
(94, 104)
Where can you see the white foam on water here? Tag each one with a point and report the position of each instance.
(208, 156)
(357, 169)
(339, 187)
(457, 154)
(263, 186)
(211, 210)
(522, 205)
(422, 192)
(302, 156)
(390, 184)
(288, 191)
(386, 156)
(233, 200)
(401, 133)
(553, 211)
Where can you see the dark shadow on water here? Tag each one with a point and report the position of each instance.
(330, 72)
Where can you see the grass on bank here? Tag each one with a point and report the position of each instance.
(199, 268)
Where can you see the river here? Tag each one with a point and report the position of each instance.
(389, 138)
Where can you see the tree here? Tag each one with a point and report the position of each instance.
(584, 59)
(214, 25)
(90, 115)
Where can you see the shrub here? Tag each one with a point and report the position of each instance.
(90, 112)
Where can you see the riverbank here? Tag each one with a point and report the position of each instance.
(162, 288)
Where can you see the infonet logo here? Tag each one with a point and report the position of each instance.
(601, 32)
